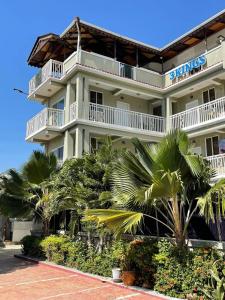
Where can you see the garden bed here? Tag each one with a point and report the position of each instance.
(157, 265)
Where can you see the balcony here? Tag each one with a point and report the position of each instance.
(214, 57)
(47, 81)
(45, 125)
(205, 114)
(217, 163)
(52, 70)
(121, 119)
(112, 66)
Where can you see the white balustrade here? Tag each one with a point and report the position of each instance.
(112, 66)
(217, 162)
(199, 115)
(73, 111)
(125, 118)
(48, 117)
(52, 69)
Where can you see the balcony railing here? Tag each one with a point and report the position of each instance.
(115, 67)
(213, 57)
(199, 115)
(48, 117)
(125, 118)
(52, 69)
(73, 111)
(217, 163)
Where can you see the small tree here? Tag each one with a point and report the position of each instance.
(25, 193)
(84, 183)
(162, 177)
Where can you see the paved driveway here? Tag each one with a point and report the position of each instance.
(24, 280)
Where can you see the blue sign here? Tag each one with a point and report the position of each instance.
(188, 67)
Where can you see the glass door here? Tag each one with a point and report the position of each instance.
(212, 146)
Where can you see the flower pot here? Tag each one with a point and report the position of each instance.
(116, 274)
(128, 277)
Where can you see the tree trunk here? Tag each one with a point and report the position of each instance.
(178, 224)
(46, 227)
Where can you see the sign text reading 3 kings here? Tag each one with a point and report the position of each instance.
(188, 67)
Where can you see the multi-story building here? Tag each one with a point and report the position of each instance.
(95, 83)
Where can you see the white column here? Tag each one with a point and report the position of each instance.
(79, 142)
(86, 141)
(70, 98)
(68, 145)
(79, 96)
(86, 99)
(168, 113)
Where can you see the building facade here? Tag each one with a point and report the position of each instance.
(94, 83)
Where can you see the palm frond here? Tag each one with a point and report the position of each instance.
(118, 221)
(214, 198)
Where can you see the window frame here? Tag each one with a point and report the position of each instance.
(211, 138)
(97, 92)
(57, 101)
(207, 90)
(57, 148)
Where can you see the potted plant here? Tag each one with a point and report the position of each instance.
(128, 274)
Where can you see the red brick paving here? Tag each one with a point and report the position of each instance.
(28, 281)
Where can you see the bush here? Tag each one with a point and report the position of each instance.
(31, 246)
(159, 265)
(181, 272)
(140, 254)
(55, 248)
(76, 253)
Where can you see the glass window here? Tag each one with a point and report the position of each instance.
(212, 146)
(59, 153)
(157, 111)
(209, 95)
(96, 97)
(95, 144)
(59, 105)
(215, 145)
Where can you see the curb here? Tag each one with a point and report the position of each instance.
(142, 291)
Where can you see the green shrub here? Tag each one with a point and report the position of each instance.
(174, 271)
(76, 253)
(55, 248)
(140, 254)
(181, 272)
(31, 246)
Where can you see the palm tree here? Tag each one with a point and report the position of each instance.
(25, 193)
(212, 204)
(161, 178)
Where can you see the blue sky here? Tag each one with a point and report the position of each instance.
(21, 21)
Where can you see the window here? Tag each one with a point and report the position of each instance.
(157, 111)
(95, 144)
(212, 145)
(209, 95)
(126, 71)
(96, 97)
(58, 153)
(59, 105)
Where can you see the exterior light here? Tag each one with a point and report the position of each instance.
(220, 39)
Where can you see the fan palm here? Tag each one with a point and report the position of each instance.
(157, 177)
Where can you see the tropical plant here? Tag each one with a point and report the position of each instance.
(84, 183)
(215, 290)
(212, 204)
(26, 193)
(164, 178)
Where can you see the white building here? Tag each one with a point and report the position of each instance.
(95, 83)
